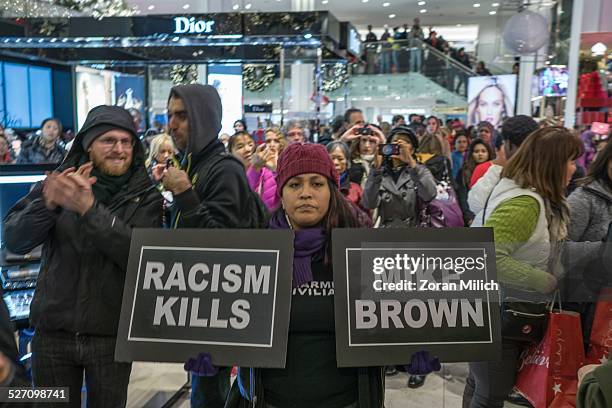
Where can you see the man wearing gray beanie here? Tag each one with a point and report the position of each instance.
(83, 214)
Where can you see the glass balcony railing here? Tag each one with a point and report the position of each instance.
(402, 56)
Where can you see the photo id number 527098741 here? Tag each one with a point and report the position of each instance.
(56, 394)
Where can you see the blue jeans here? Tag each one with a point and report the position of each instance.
(385, 62)
(489, 382)
(210, 392)
(396, 59)
(415, 60)
(59, 359)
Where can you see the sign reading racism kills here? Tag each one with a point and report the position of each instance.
(224, 292)
(399, 291)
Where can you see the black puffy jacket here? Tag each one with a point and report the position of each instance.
(84, 259)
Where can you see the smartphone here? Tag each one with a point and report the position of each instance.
(389, 149)
(169, 163)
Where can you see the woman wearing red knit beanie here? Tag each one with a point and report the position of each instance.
(312, 205)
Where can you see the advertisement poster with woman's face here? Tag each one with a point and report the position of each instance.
(491, 99)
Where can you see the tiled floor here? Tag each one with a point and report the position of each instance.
(152, 384)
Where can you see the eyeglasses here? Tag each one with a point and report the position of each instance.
(110, 143)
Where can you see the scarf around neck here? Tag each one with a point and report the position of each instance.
(308, 242)
(106, 187)
(343, 177)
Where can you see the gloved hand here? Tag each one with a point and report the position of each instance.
(420, 364)
(201, 365)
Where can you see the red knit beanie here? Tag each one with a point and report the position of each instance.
(303, 158)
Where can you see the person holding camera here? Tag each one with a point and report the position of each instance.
(363, 140)
(397, 185)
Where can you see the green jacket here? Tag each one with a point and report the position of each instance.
(596, 388)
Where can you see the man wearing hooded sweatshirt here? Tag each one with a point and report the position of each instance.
(83, 214)
(210, 191)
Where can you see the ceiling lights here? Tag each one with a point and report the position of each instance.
(248, 6)
(422, 3)
(386, 4)
(151, 7)
(476, 5)
(422, 11)
(235, 7)
(325, 1)
(492, 12)
(186, 6)
(365, 1)
(392, 15)
(495, 5)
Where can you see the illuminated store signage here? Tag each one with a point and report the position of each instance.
(184, 25)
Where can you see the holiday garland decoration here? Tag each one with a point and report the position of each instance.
(66, 8)
(184, 74)
(257, 77)
(334, 76)
(98, 8)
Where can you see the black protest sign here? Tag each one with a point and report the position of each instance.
(224, 292)
(399, 291)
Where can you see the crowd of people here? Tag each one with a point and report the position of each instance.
(521, 180)
(404, 50)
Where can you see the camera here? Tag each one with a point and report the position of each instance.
(364, 131)
(389, 149)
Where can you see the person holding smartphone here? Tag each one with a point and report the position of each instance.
(397, 185)
(262, 170)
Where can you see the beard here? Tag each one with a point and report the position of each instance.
(105, 165)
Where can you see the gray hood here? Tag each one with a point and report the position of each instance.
(598, 185)
(204, 110)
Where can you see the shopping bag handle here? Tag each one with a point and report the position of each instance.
(556, 295)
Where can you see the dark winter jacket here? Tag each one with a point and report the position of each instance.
(359, 171)
(462, 190)
(221, 196)
(438, 166)
(32, 151)
(84, 258)
(17, 377)
(311, 377)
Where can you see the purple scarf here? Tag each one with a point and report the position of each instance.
(307, 243)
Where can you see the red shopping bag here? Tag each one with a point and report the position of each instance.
(548, 372)
(600, 342)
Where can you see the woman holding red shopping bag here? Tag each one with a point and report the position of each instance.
(529, 214)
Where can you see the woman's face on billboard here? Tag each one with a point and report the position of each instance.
(491, 106)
